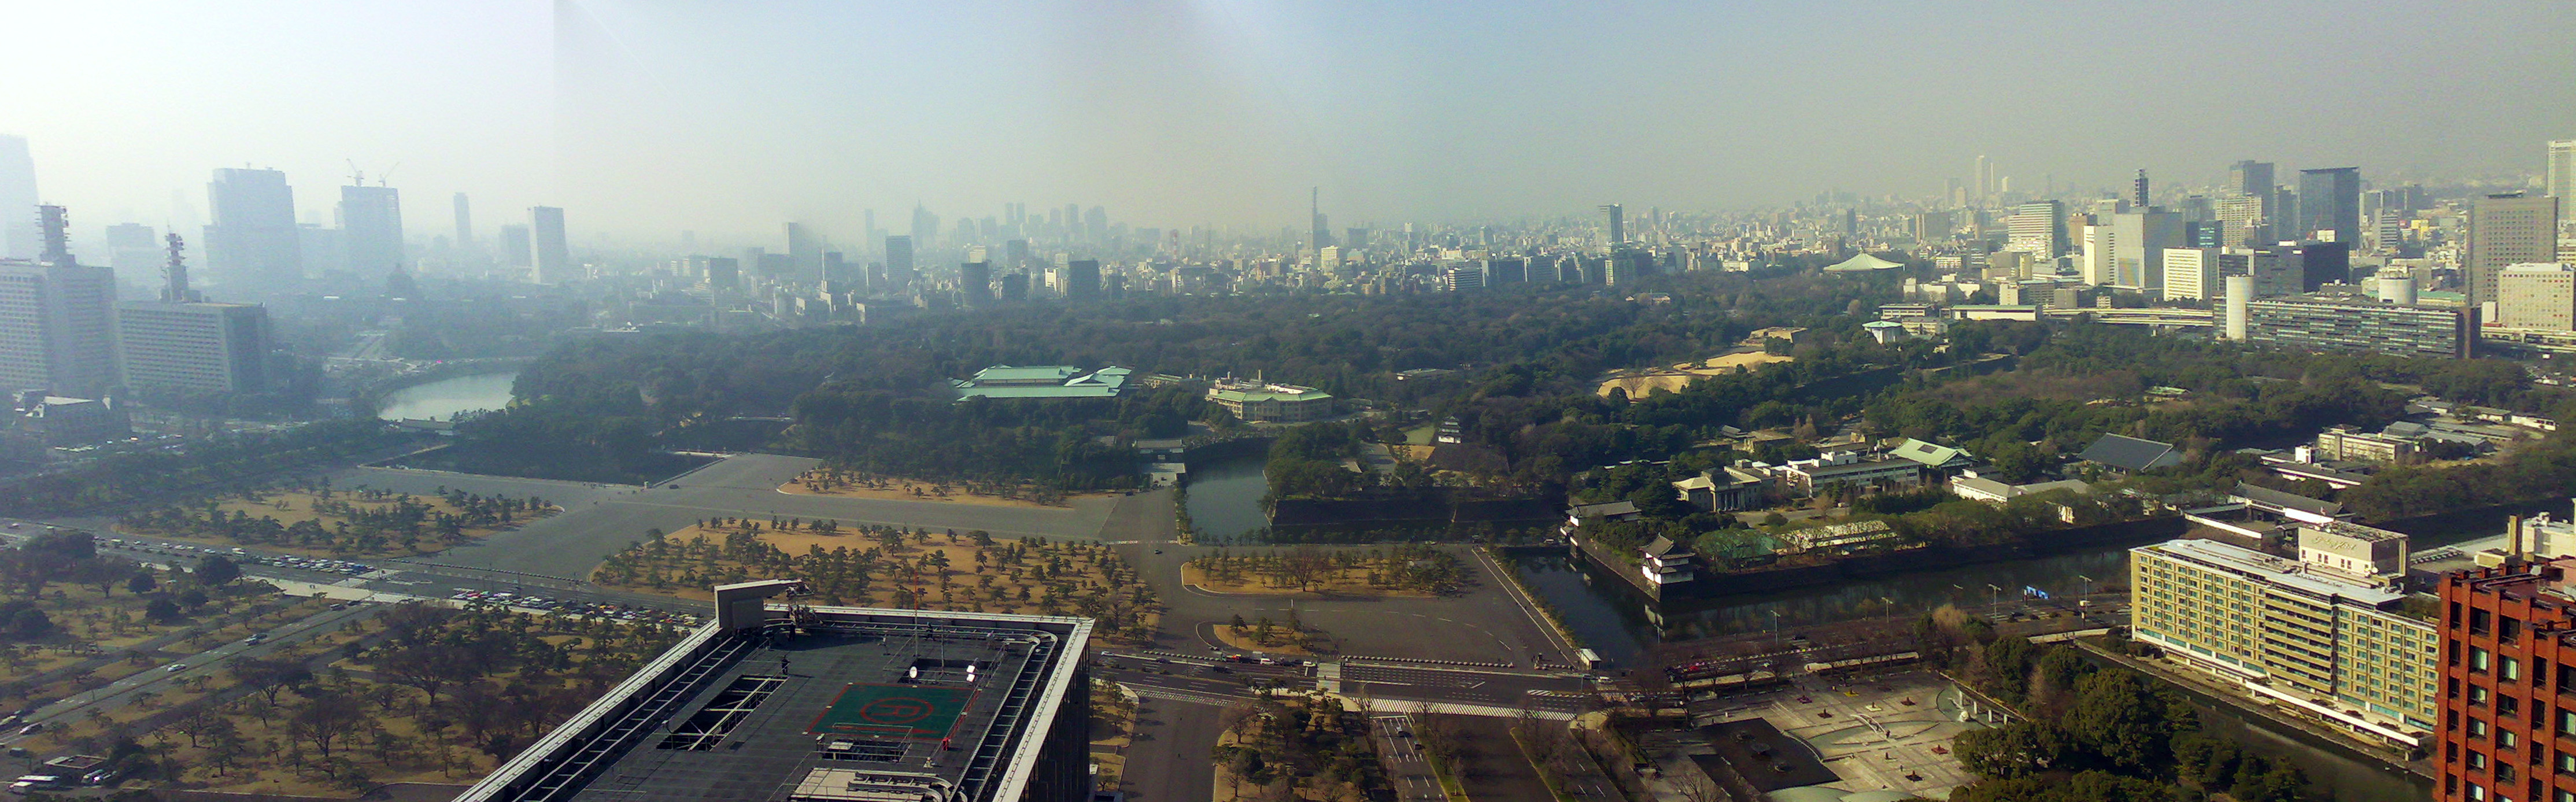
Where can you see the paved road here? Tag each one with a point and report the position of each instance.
(1405, 767)
(1507, 690)
(209, 664)
(1168, 761)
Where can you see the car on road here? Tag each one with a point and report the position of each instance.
(174, 668)
(32, 729)
(256, 637)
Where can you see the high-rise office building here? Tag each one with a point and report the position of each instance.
(2507, 229)
(133, 248)
(2138, 191)
(2244, 219)
(2562, 169)
(2037, 228)
(57, 317)
(898, 260)
(1095, 224)
(1933, 227)
(1015, 286)
(1618, 231)
(1461, 279)
(2250, 178)
(553, 250)
(925, 226)
(2536, 296)
(975, 282)
(464, 223)
(371, 230)
(806, 251)
(323, 251)
(1081, 279)
(2330, 204)
(253, 239)
(2127, 250)
(723, 273)
(2191, 274)
(517, 250)
(183, 343)
(20, 237)
(1506, 270)
(1320, 233)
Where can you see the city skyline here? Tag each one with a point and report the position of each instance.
(1054, 102)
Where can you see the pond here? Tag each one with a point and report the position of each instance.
(1225, 496)
(445, 398)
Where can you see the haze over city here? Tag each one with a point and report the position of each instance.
(1203, 401)
(648, 118)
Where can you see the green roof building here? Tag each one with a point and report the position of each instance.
(1044, 381)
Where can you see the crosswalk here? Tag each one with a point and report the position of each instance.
(1170, 694)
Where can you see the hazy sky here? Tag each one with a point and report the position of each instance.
(645, 117)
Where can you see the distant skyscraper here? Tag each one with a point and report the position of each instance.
(2038, 227)
(253, 239)
(1985, 183)
(1618, 223)
(1095, 223)
(553, 251)
(805, 251)
(2250, 177)
(57, 318)
(898, 260)
(2330, 204)
(133, 248)
(2562, 168)
(19, 237)
(2506, 230)
(2138, 191)
(975, 282)
(925, 226)
(516, 250)
(371, 223)
(464, 223)
(723, 273)
(1319, 233)
(1082, 279)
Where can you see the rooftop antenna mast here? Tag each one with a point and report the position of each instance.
(174, 274)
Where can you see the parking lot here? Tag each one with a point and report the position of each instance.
(1885, 732)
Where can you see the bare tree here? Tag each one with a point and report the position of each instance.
(1695, 786)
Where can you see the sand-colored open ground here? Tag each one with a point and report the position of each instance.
(1681, 375)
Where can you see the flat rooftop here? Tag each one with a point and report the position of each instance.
(849, 704)
(2280, 572)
